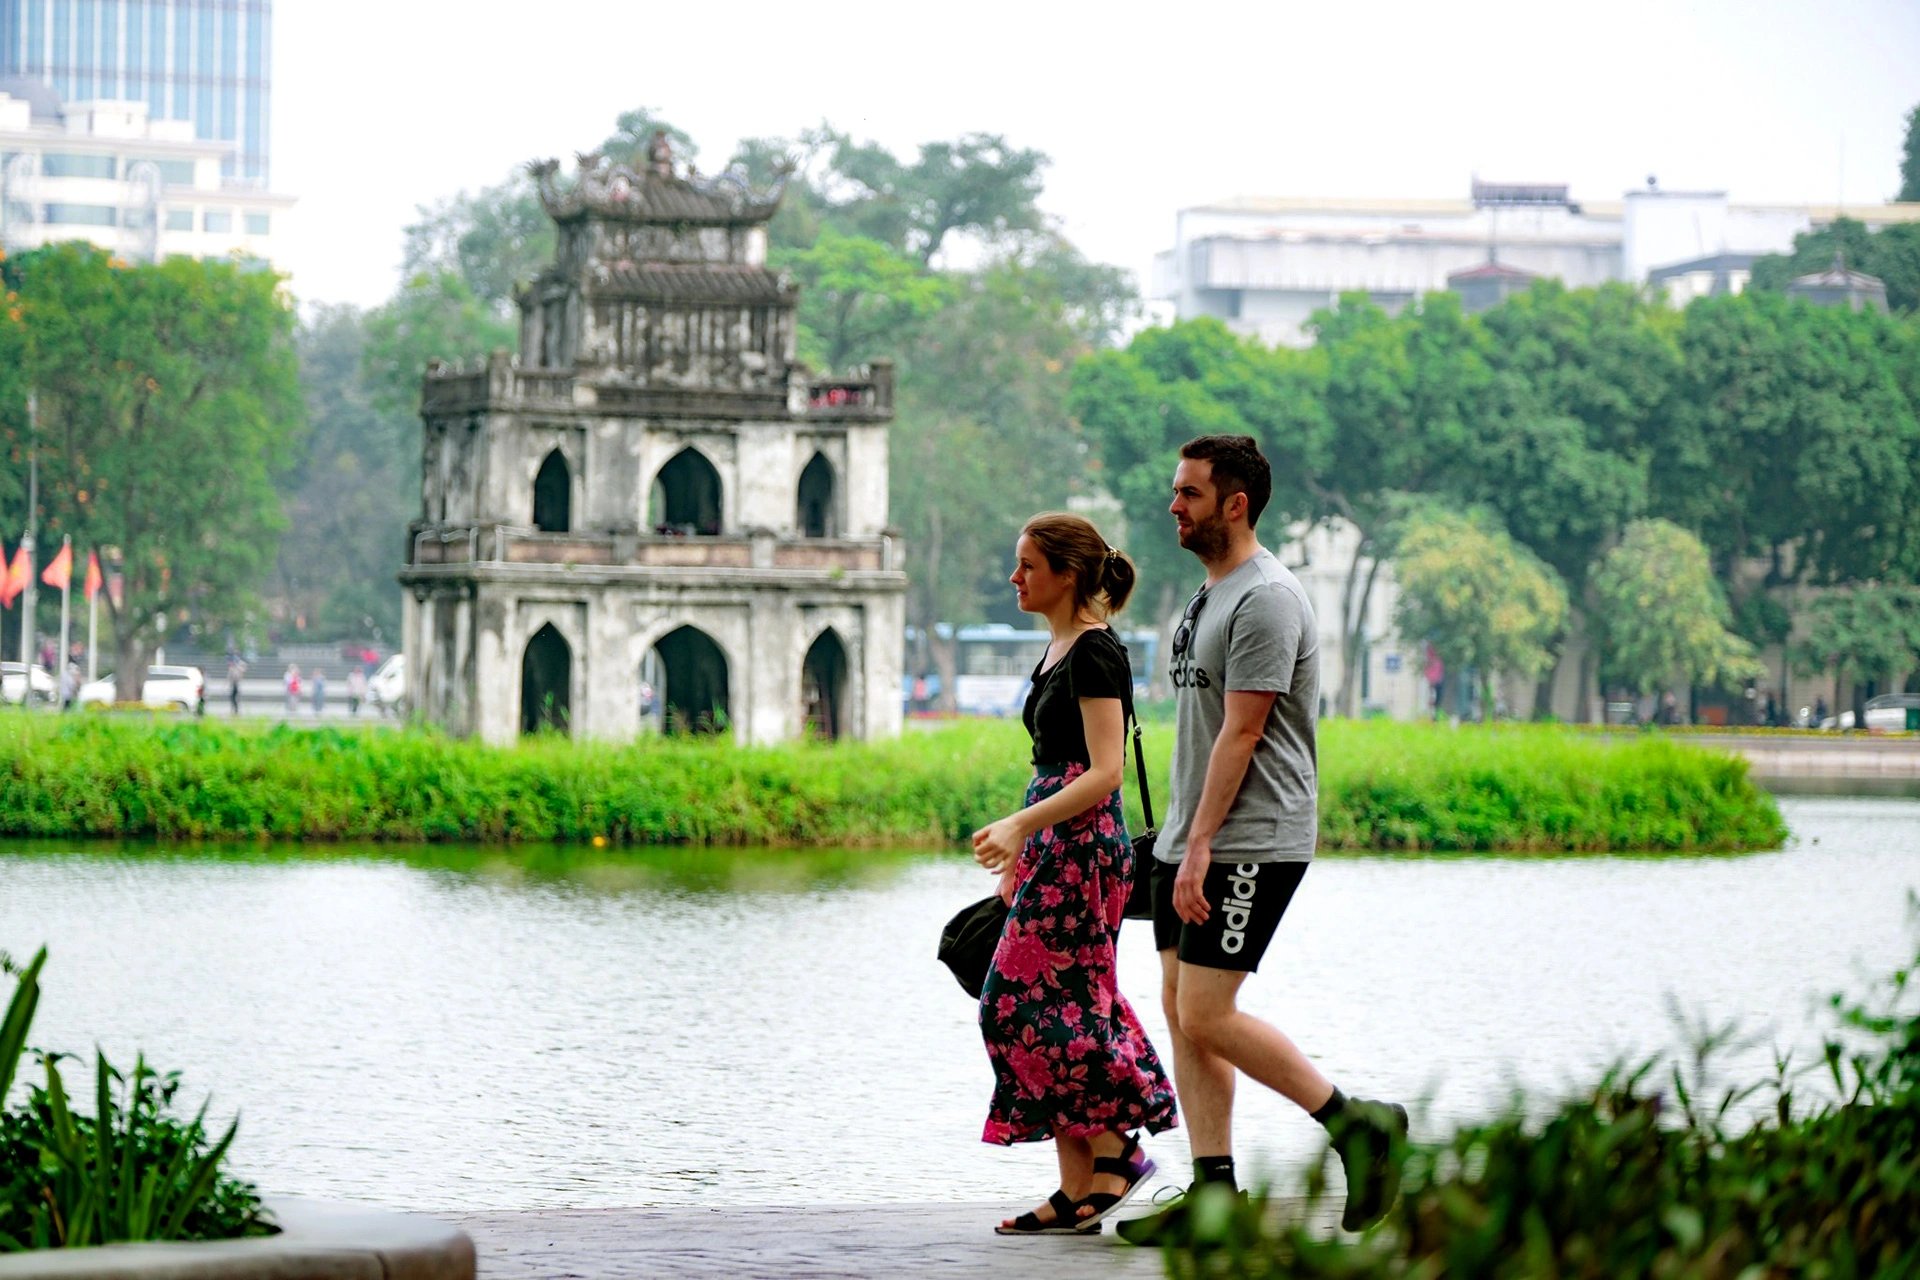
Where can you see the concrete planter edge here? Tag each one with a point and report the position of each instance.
(318, 1240)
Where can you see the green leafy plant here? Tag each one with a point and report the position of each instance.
(131, 1171)
(1631, 1179)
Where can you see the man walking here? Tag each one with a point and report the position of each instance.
(1240, 832)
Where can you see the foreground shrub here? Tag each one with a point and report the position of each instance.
(1383, 786)
(1634, 1181)
(131, 1171)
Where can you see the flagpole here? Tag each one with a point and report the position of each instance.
(66, 594)
(26, 542)
(93, 623)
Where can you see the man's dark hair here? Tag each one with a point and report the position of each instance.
(1238, 467)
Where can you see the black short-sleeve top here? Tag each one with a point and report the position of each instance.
(1095, 667)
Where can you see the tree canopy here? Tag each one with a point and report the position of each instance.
(1661, 616)
(168, 409)
(1483, 601)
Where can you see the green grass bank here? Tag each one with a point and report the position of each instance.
(1521, 789)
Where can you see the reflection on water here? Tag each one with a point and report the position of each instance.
(476, 1028)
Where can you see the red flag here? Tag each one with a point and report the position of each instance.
(94, 578)
(59, 574)
(17, 578)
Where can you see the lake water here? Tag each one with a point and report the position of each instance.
(468, 1029)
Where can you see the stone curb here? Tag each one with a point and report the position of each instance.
(319, 1240)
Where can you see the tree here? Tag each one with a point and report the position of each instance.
(979, 445)
(977, 183)
(1404, 396)
(1138, 406)
(1661, 615)
(1479, 598)
(1584, 381)
(1872, 629)
(169, 405)
(351, 493)
(859, 299)
(1792, 439)
(494, 241)
(434, 316)
(1910, 159)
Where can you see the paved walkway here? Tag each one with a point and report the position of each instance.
(837, 1240)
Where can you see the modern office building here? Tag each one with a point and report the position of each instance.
(204, 62)
(109, 173)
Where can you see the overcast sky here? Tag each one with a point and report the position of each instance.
(381, 107)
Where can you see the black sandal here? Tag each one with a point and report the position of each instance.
(1121, 1166)
(1065, 1222)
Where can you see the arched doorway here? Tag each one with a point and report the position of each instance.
(816, 499)
(823, 688)
(686, 496)
(691, 689)
(546, 683)
(553, 495)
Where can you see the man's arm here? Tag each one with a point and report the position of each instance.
(1244, 725)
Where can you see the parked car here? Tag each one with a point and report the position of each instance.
(387, 687)
(182, 688)
(15, 678)
(1885, 712)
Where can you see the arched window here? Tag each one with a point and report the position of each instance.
(816, 499)
(692, 671)
(686, 496)
(553, 495)
(546, 683)
(823, 688)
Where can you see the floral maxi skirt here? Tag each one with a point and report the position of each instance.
(1068, 1054)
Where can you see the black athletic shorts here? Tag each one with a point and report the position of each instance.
(1248, 899)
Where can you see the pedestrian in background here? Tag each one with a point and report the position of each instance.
(236, 667)
(356, 690)
(319, 693)
(291, 682)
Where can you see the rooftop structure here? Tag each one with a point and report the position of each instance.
(1839, 286)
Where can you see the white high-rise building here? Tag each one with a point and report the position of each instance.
(108, 172)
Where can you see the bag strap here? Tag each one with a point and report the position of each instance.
(1139, 755)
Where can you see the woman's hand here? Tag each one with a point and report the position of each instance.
(997, 846)
(1008, 880)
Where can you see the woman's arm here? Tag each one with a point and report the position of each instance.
(996, 846)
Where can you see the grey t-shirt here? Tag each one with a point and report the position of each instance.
(1255, 632)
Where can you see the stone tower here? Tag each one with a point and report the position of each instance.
(653, 518)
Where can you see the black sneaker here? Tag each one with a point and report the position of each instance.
(1172, 1223)
(1365, 1138)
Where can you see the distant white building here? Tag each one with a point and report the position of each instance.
(108, 173)
(1265, 264)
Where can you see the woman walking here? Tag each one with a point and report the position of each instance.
(1070, 1060)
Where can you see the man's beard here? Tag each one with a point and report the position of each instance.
(1207, 538)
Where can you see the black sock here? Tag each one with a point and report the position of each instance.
(1214, 1169)
(1331, 1109)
